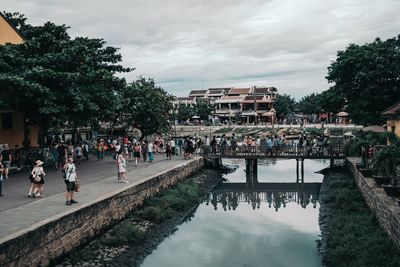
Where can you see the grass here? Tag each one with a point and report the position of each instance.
(355, 237)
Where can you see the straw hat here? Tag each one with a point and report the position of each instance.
(39, 162)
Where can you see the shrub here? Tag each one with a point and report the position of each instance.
(123, 233)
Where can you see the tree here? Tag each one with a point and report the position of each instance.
(284, 105)
(57, 81)
(368, 76)
(331, 101)
(309, 104)
(203, 108)
(146, 107)
(185, 112)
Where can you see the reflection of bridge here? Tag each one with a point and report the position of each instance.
(275, 194)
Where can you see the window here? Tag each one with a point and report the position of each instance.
(7, 120)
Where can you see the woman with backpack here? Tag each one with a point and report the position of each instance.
(37, 180)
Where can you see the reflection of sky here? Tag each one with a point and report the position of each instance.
(247, 237)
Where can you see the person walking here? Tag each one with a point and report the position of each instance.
(150, 151)
(86, 150)
(100, 150)
(5, 159)
(1, 180)
(71, 178)
(168, 150)
(37, 175)
(62, 155)
(78, 153)
(121, 161)
(137, 150)
(144, 150)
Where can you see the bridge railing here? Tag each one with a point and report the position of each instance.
(274, 151)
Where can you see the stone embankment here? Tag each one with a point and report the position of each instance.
(104, 203)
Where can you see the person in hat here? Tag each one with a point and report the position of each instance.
(37, 177)
(70, 180)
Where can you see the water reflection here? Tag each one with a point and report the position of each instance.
(276, 195)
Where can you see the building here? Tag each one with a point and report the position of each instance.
(198, 93)
(14, 127)
(392, 115)
(228, 108)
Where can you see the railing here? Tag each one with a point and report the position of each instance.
(285, 151)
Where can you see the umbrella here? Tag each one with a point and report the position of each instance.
(374, 128)
(268, 114)
(196, 117)
(348, 133)
(342, 114)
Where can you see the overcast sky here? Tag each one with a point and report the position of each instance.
(186, 45)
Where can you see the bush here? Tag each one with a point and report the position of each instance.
(155, 214)
(123, 233)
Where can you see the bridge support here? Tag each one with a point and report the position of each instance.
(301, 171)
(217, 162)
(251, 167)
(332, 163)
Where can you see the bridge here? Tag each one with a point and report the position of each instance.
(292, 151)
(287, 151)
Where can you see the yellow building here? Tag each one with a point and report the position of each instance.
(392, 115)
(13, 127)
(8, 33)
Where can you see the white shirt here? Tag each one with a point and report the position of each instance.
(71, 172)
(207, 141)
(172, 143)
(150, 147)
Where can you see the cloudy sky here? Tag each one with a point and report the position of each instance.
(186, 45)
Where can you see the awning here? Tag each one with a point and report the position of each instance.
(342, 114)
(268, 114)
(249, 113)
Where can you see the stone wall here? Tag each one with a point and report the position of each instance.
(60, 235)
(384, 207)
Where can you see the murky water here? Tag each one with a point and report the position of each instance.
(268, 221)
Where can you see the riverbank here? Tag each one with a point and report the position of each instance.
(351, 235)
(131, 240)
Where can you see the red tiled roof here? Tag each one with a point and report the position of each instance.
(240, 91)
(392, 111)
(198, 92)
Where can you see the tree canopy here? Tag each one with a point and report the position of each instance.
(146, 106)
(368, 76)
(284, 105)
(56, 80)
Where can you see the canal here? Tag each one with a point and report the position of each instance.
(269, 220)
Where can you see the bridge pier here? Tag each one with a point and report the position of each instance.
(301, 171)
(251, 167)
(332, 163)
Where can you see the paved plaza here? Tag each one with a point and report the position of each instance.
(98, 179)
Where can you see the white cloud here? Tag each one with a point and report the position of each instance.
(185, 45)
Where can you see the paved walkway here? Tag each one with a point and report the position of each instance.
(18, 213)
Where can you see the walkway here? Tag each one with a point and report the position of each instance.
(20, 213)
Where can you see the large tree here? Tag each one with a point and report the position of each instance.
(56, 80)
(203, 108)
(146, 107)
(185, 112)
(284, 105)
(368, 76)
(309, 104)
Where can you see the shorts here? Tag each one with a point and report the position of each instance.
(70, 186)
(6, 164)
(61, 159)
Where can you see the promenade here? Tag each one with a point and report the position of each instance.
(19, 214)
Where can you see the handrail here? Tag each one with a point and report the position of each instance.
(274, 151)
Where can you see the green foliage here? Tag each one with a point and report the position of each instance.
(54, 79)
(370, 71)
(146, 107)
(121, 234)
(284, 105)
(354, 237)
(178, 198)
(185, 112)
(353, 148)
(309, 104)
(203, 108)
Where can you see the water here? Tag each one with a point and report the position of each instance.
(240, 226)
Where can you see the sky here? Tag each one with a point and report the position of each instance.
(186, 45)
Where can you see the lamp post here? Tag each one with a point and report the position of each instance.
(175, 111)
